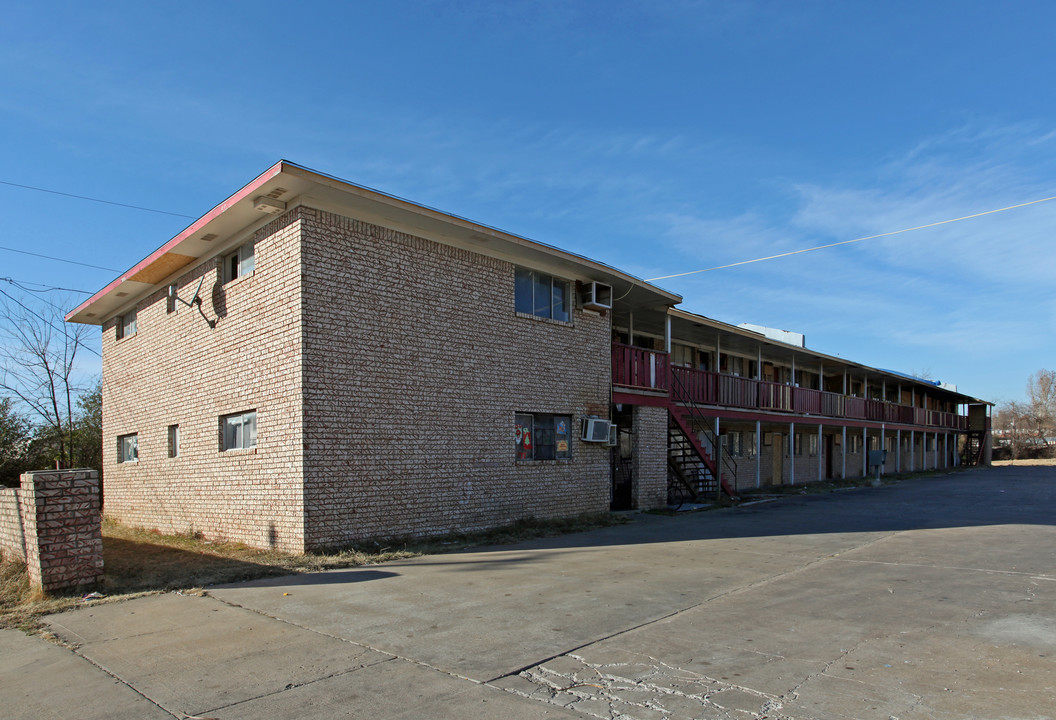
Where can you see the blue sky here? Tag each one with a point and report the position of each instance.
(658, 137)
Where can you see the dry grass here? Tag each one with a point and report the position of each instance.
(140, 562)
(1025, 462)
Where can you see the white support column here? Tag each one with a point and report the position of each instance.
(845, 383)
(630, 328)
(793, 378)
(718, 354)
(883, 467)
(898, 448)
(758, 454)
(912, 449)
(791, 453)
(883, 390)
(821, 375)
(945, 451)
(821, 454)
(865, 452)
(843, 447)
(759, 363)
(667, 333)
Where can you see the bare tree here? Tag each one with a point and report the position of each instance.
(1041, 399)
(38, 350)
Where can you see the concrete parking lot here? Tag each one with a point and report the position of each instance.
(932, 598)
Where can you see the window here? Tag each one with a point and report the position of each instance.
(126, 325)
(855, 443)
(799, 443)
(240, 262)
(128, 448)
(541, 295)
(740, 444)
(239, 431)
(812, 445)
(174, 441)
(542, 437)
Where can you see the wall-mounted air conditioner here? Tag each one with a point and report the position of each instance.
(596, 430)
(596, 296)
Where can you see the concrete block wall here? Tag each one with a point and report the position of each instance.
(177, 370)
(55, 527)
(415, 366)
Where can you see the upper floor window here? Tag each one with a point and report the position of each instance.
(126, 325)
(541, 295)
(240, 262)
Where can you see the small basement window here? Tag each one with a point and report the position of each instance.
(539, 436)
(239, 431)
(240, 262)
(128, 448)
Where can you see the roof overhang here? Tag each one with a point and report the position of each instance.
(286, 185)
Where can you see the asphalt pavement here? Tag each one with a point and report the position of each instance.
(931, 598)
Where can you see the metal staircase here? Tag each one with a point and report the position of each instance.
(690, 464)
(973, 447)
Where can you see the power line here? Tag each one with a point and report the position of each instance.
(47, 322)
(848, 242)
(57, 259)
(105, 202)
(21, 284)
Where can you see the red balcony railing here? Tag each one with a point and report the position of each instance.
(641, 369)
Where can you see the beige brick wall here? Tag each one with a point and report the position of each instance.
(649, 469)
(178, 370)
(415, 365)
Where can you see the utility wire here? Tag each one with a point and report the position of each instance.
(57, 259)
(21, 284)
(105, 202)
(47, 322)
(848, 242)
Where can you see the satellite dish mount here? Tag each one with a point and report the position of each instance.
(195, 302)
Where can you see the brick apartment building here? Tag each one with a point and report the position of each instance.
(314, 363)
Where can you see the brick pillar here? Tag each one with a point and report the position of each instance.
(649, 457)
(62, 527)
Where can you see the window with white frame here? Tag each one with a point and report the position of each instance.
(542, 295)
(240, 262)
(239, 431)
(812, 445)
(174, 441)
(128, 448)
(854, 443)
(126, 325)
(541, 436)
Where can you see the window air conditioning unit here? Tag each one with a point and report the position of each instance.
(596, 430)
(596, 296)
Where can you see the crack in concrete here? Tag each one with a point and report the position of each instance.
(651, 685)
(117, 678)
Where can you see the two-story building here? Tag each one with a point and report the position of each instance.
(314, 363)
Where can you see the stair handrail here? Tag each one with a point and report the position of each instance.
(680, 393)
